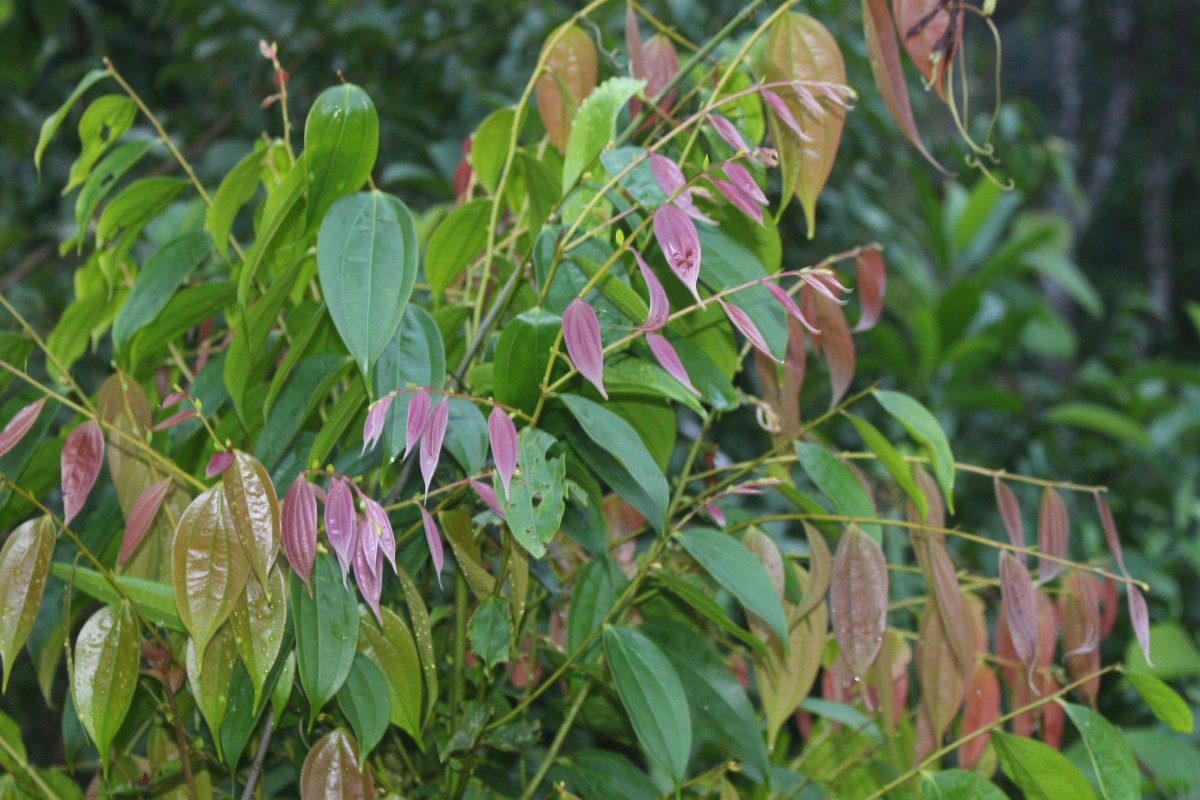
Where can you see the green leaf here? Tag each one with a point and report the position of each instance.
(959, 784)
(593, 126)
(1099, 419)
(891, 459)
(367, 263)
(730, 262)
(326, 632)
(105, 120)
(363, 698)
(50, 125)
(924, 428)
(521, 356)
(1111, 756)
(1175, 653)
(490, 146)
(637, 477)
(280, 215)
(837, 482)
(737, 570)
(306, 390)
(103, 179)
(535, 503)
(461, 235)
(391, 649)
(156, 284)
(24, 562)
(135, 205)
(184, 311)
(303, 323)
(489, 631)
(1040, 771)
(414, 357)
(341, 140)
(211, 678)
(603, 773)
(1161, 699)
(701, 602)
(236, 189)
(599, 584)
(635, 374)
(340, 416)
(653, 697)
(466, 435)
(105, 673)
(154, 601)
(259, 626)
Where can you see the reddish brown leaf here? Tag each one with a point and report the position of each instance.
(1108, 606)
(924, 27)
(657, 64)
(741, 320)
(1080, 613)
(331, 770)
(175, 419)
(943, 680)
(870, 281)
(1139, 618)
(1110, 532)
(1047, 622)
(82, 455)
(979, 712)
(141, 517)
(1010, 513)
(569, 77)
(1052, 713)
(19, 425)
(298, 528)
(936, 518)
(219, 462)
(834, 339)
(1053, 530)
(978, 623)
(581, 333)
(858, 599)
(949, 600)
(1020, 610)
(1006, 654)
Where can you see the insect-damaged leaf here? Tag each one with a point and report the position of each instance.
(390, 647)
(326, 632)
(209, 567)
(255, 512)
(24, 563)
(568, 78)
(739, 572)
(535, 504)
(82, 455)
(106, 673)
(858, 599)
(593, 126)
(259, 624)
(799, 48)
(331, 770)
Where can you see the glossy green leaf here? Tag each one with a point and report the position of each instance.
(349, 403)
(304, 392)
(211, 678)
(52, 122)
(103, 179)
(326, 627)
(959, 784)
(155, 601)
(391, 648)
(490, 630)
(521, 356)
(1175, 653)
(490, 146)
(254, 508)
(535, 504)
(422, 627)
(653, 697)
(185, 310)
(24, 564)
(305, 325)
(593, 126)
(106, 119)
(641, 481)
(893, 462)
(156, 283)
(461, 235)
(838, 484)
(640, 376)
(341, 139)
(737, 571)
(1164, 701)
(208, 566)
(924, 428)
(367, 264)
(80, 325)
(259, 624)
(1040, 771)
(248, 356)
(363, 698)
(1111, 756)
(236, 189)
(596, 590)
(466, 435)
(604, 773)
(105, 673)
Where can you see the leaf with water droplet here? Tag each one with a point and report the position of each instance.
(326, 627)
(24, 564)
(391, 648)
(331, 770)
(105, 673)
(363, 698)
(82, 455)
(254, 509)
(211, 677)
(259, 623)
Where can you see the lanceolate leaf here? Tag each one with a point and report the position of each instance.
(141, 517)
(569, 77)
(341, 139)
(1166, 704)
(1110, 532)
(858, 599)
(389, 645)
(363, 698)
(24, 564)
(431, 440)
(837, 482)
(870, 282)
(326, 632)
(259, 623)
(341, 522)
(820, 571)
(680, 243)
(209, 567)
(1111, 756)
(943, 680)
(668, 359)
(255, 512)
(739, 572)
(502, 435)
(1053, 531)
(593, 126)
(19, 425)
(1020, 610)
(1041, 772)
(924, 428)
(82, 455)
(298, 528)
(212, 677)
(1139, 618)
(835, 340)
(106, 673)
(581, 333)
(1010, 513)
(331, 770)
(981, 710)
(660, 306)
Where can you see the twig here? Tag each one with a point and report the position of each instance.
(180, 739)
(260, 757)
(556, 745)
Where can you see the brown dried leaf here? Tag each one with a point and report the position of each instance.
(1054, 527)
(943, 680)
(858, 599)
(569, 77)
(1010, 513)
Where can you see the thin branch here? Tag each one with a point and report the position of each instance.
(260, 757)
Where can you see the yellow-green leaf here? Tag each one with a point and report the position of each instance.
(24, 563)
(254, 509)
(106, 673)
(211, 677)
(259, 623)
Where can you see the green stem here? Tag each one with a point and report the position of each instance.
(556, 745)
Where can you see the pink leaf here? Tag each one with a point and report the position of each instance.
(789, 305)
(1110, 532)
(1010, 512)
(434, 539)
(219, 462)
(668, 359)
(784, 113)
(676, 235)
(368, 573)
(741, 178)
(376, 416)
(1052, 533)
(581, 331)
(660, 306)
(1020, 611)
(744, 324)
(488, 495)
(431, 442)
(19, 425)
(1139, 617)
(298, 528)
(740, 200)
(810, 103)
(141, 517)
(82, 455)
(418, 415)
(870, 280)
(175, 419)
(728, 132)
(657, 64)
(172, 400)
(633, 42)
(826, 284)
(368, 544)
(376, 514)
(503, 436)
(715, 514)
(341, 522)
(667, 174)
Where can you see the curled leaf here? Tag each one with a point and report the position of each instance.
(676, 235)
(1139, 618)
(668, 359)
(503, 436)
(82, 455)
(341, 522)
(870, 281)
(858, 599)
(1110, 532)
(1020, 611)
(728, 132)
(743, 323)
(141, 516)
(381, 528)
(581, 332)
(418, 416)
(376, 417)
(1053, 530)
(299, 528)
(740, 200)
(19, 425)
(368, 569)
(789, 305)
(431, 442)
(568, 78)
(433, 539)
(1079, 609)
(219, 462)
(660, 306)
(1010, 513)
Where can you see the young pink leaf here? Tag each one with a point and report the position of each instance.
(826, 284)
(503, 436)
(676, 235)
(219, 462)
(668, 359)
(368, 544)
(789, 305)
(870, 281)
(715, 514)
(740, 200)
(858, 599)
(376, 416)
(1110, 532)
(1052, 533)
(658, 64)
(581, 332)
(667, 174)
(174, 419)
(82, 455)
(741, 178)
(434, 539)
(141, 517)
(19, 425)
(382, 526)
(633, 42)
(728, 132)
(784, 113)
(341, 522)
(744, 324)
(431, 442)
(1010, 513)
(660, 306)
(368, 571)
(1020, 611)
(488, 495)
(1139, 617)
(173, 399)
(806, 98)
(418, 415)
(298, 528)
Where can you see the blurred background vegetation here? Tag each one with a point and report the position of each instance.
(1055, 328)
